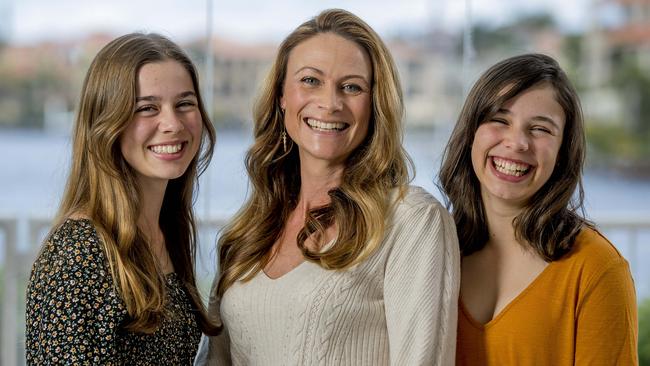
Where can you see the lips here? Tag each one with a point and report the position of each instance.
(326, 126)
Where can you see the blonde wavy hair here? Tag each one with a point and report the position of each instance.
(358, 206)
(103, 187)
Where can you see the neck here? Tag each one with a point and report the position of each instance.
(315, 183)
(152, 193)
(500, 225)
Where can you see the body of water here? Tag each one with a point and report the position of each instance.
(34, 168)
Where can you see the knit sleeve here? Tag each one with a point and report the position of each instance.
(606, 323)
(214, 350)
(72, 310)
(421, 286)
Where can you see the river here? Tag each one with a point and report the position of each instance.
(35, 164)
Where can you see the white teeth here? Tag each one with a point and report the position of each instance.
(166, 149)
(326, 126)
(510, 168)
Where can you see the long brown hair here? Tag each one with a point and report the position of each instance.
(103, 187)
(554, 215)
(358, 206)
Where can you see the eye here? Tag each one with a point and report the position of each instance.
(498, 120)
(186, 104)
(352, 89)
(146, 109)
(310, 80)
(541, 129)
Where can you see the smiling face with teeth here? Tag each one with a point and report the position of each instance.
(514, 152)
(165, 133)
(327, 98)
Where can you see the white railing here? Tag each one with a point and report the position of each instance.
(21, 238)
(633, 227)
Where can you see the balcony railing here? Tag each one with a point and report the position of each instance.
(21, 238)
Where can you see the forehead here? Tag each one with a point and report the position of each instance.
(538, 100)
(540, 97)
(162, 76)
(330, 52)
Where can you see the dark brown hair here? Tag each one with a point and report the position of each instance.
(554, 214)
(103, 186)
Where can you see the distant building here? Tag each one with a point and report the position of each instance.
(41, 82)
(239, 70)
(430, 79)
(431, 74)
(624, 43)
(632, 37)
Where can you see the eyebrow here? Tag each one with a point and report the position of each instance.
(152, 98)
(535, 118)
(320, 72)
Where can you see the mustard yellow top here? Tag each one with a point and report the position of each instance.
(581, 310)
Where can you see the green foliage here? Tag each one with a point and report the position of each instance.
(572, 50)
(511, 38)
(644, 333)
(633, 82)
(610, 142)
(623, 144)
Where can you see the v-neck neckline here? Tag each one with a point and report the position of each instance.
(506, 309)
(285, 274)
(301, 264)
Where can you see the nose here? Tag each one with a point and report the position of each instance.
(170, 121)
(330, 99)
(517, 140)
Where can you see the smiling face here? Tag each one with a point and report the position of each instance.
(514, 153)
(327, 98)
(165, 133)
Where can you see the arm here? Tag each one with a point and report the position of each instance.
(421, 287)
(606, 322)
(215, 350)
(72, 309)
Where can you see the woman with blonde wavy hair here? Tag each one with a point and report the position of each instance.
(334, 259)
(114, 282)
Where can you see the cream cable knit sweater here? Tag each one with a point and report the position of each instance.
(398, 307)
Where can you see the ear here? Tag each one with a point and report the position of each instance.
(283, 104)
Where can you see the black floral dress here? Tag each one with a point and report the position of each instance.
(75, 316)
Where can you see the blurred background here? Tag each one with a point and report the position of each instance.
(441, 47)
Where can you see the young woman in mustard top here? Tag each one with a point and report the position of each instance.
(539, 285)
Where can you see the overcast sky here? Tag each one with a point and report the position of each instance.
(252, 20)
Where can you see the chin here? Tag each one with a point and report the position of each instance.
(171, 175)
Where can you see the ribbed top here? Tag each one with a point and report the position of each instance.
(399, 307)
